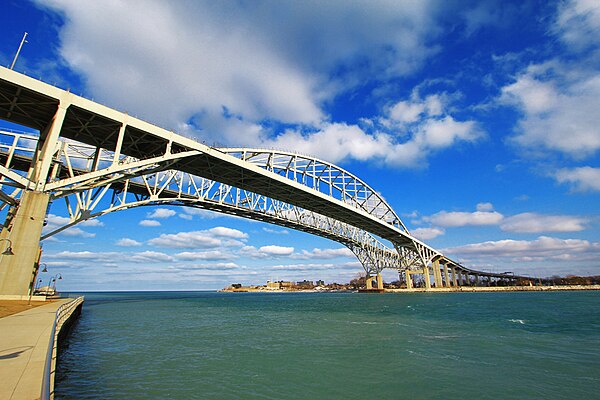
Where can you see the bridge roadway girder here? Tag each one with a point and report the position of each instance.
(123, 151)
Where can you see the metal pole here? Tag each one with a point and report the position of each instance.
(18, 51)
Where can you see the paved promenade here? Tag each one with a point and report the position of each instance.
(24, 339)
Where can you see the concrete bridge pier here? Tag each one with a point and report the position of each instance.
(378, 279)
(409, 283)
(446, 276)
(454, 277)
(19, 270)
(427, 277)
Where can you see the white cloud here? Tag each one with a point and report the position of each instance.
(54, 222)
(214, 237)
(149, 222)
(399, 138)
(291, 64)
(276, 250)
(582, 179)
(578, 23)
(426, 233)
(484, 207)
(455, 218)
(537, 223)
(92, 222)
(212, 255)
(227, 232)
(325, 254)
(160, 213)
(126, 242)
(151, 257)
(276, 231)
(202, 239)
(558, 102)
(542, 249)
(190, 212)
(297, 43)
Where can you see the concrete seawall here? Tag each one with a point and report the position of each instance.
(28, 345)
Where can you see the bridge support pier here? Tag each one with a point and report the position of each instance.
(437, 273)
(379, 281)
(454, 278)
(17, 272)
(427, 278)
(409, 283)
(446, 276)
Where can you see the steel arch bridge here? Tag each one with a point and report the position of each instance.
(99, 160)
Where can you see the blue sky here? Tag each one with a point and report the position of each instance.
(477, 121)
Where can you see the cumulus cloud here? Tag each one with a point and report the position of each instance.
(222, 231)
(297, 43)
(212, 255)
(404, 136)
(126, 242)
(273, 250)
(528, 222)
(456, 218)
(149, 222)
(325, 254)
(537, 223)
(558, 104)
(558, 97)
(160, 213)
(543, 248)
(214, 237)
(298, 57)
(427, 233)
(54, 222)
(582, 179)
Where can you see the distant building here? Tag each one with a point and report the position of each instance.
(279, 285)
(320, 283)
(305, 284)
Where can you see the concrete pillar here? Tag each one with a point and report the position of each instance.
(427, 278)
(446, 276)
(409, 284)
(369, 282)
(476, 279)
(18, 270)
(437, 276)
(454, 280)
(465, 281)
(379, 281)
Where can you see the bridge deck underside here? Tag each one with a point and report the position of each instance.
(34, 110)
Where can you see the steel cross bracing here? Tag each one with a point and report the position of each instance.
(140, 150)
(89, 195)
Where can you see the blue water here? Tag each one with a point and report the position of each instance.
(205, 345)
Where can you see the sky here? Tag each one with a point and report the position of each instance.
(478, 121)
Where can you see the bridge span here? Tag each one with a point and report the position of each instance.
(99, 160)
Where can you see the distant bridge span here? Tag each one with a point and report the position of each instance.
(86, 152)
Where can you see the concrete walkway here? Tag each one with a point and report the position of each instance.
(24, 339)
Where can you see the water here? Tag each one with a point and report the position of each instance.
(204, 345)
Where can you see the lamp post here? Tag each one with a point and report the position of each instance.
(8, 251)
(57, 276)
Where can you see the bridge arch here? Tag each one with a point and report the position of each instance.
(85, 150)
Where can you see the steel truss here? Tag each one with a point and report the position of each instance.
(92, 182)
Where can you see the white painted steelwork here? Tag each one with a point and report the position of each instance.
(86, 153)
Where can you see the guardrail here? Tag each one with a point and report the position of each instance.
(63, 313)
